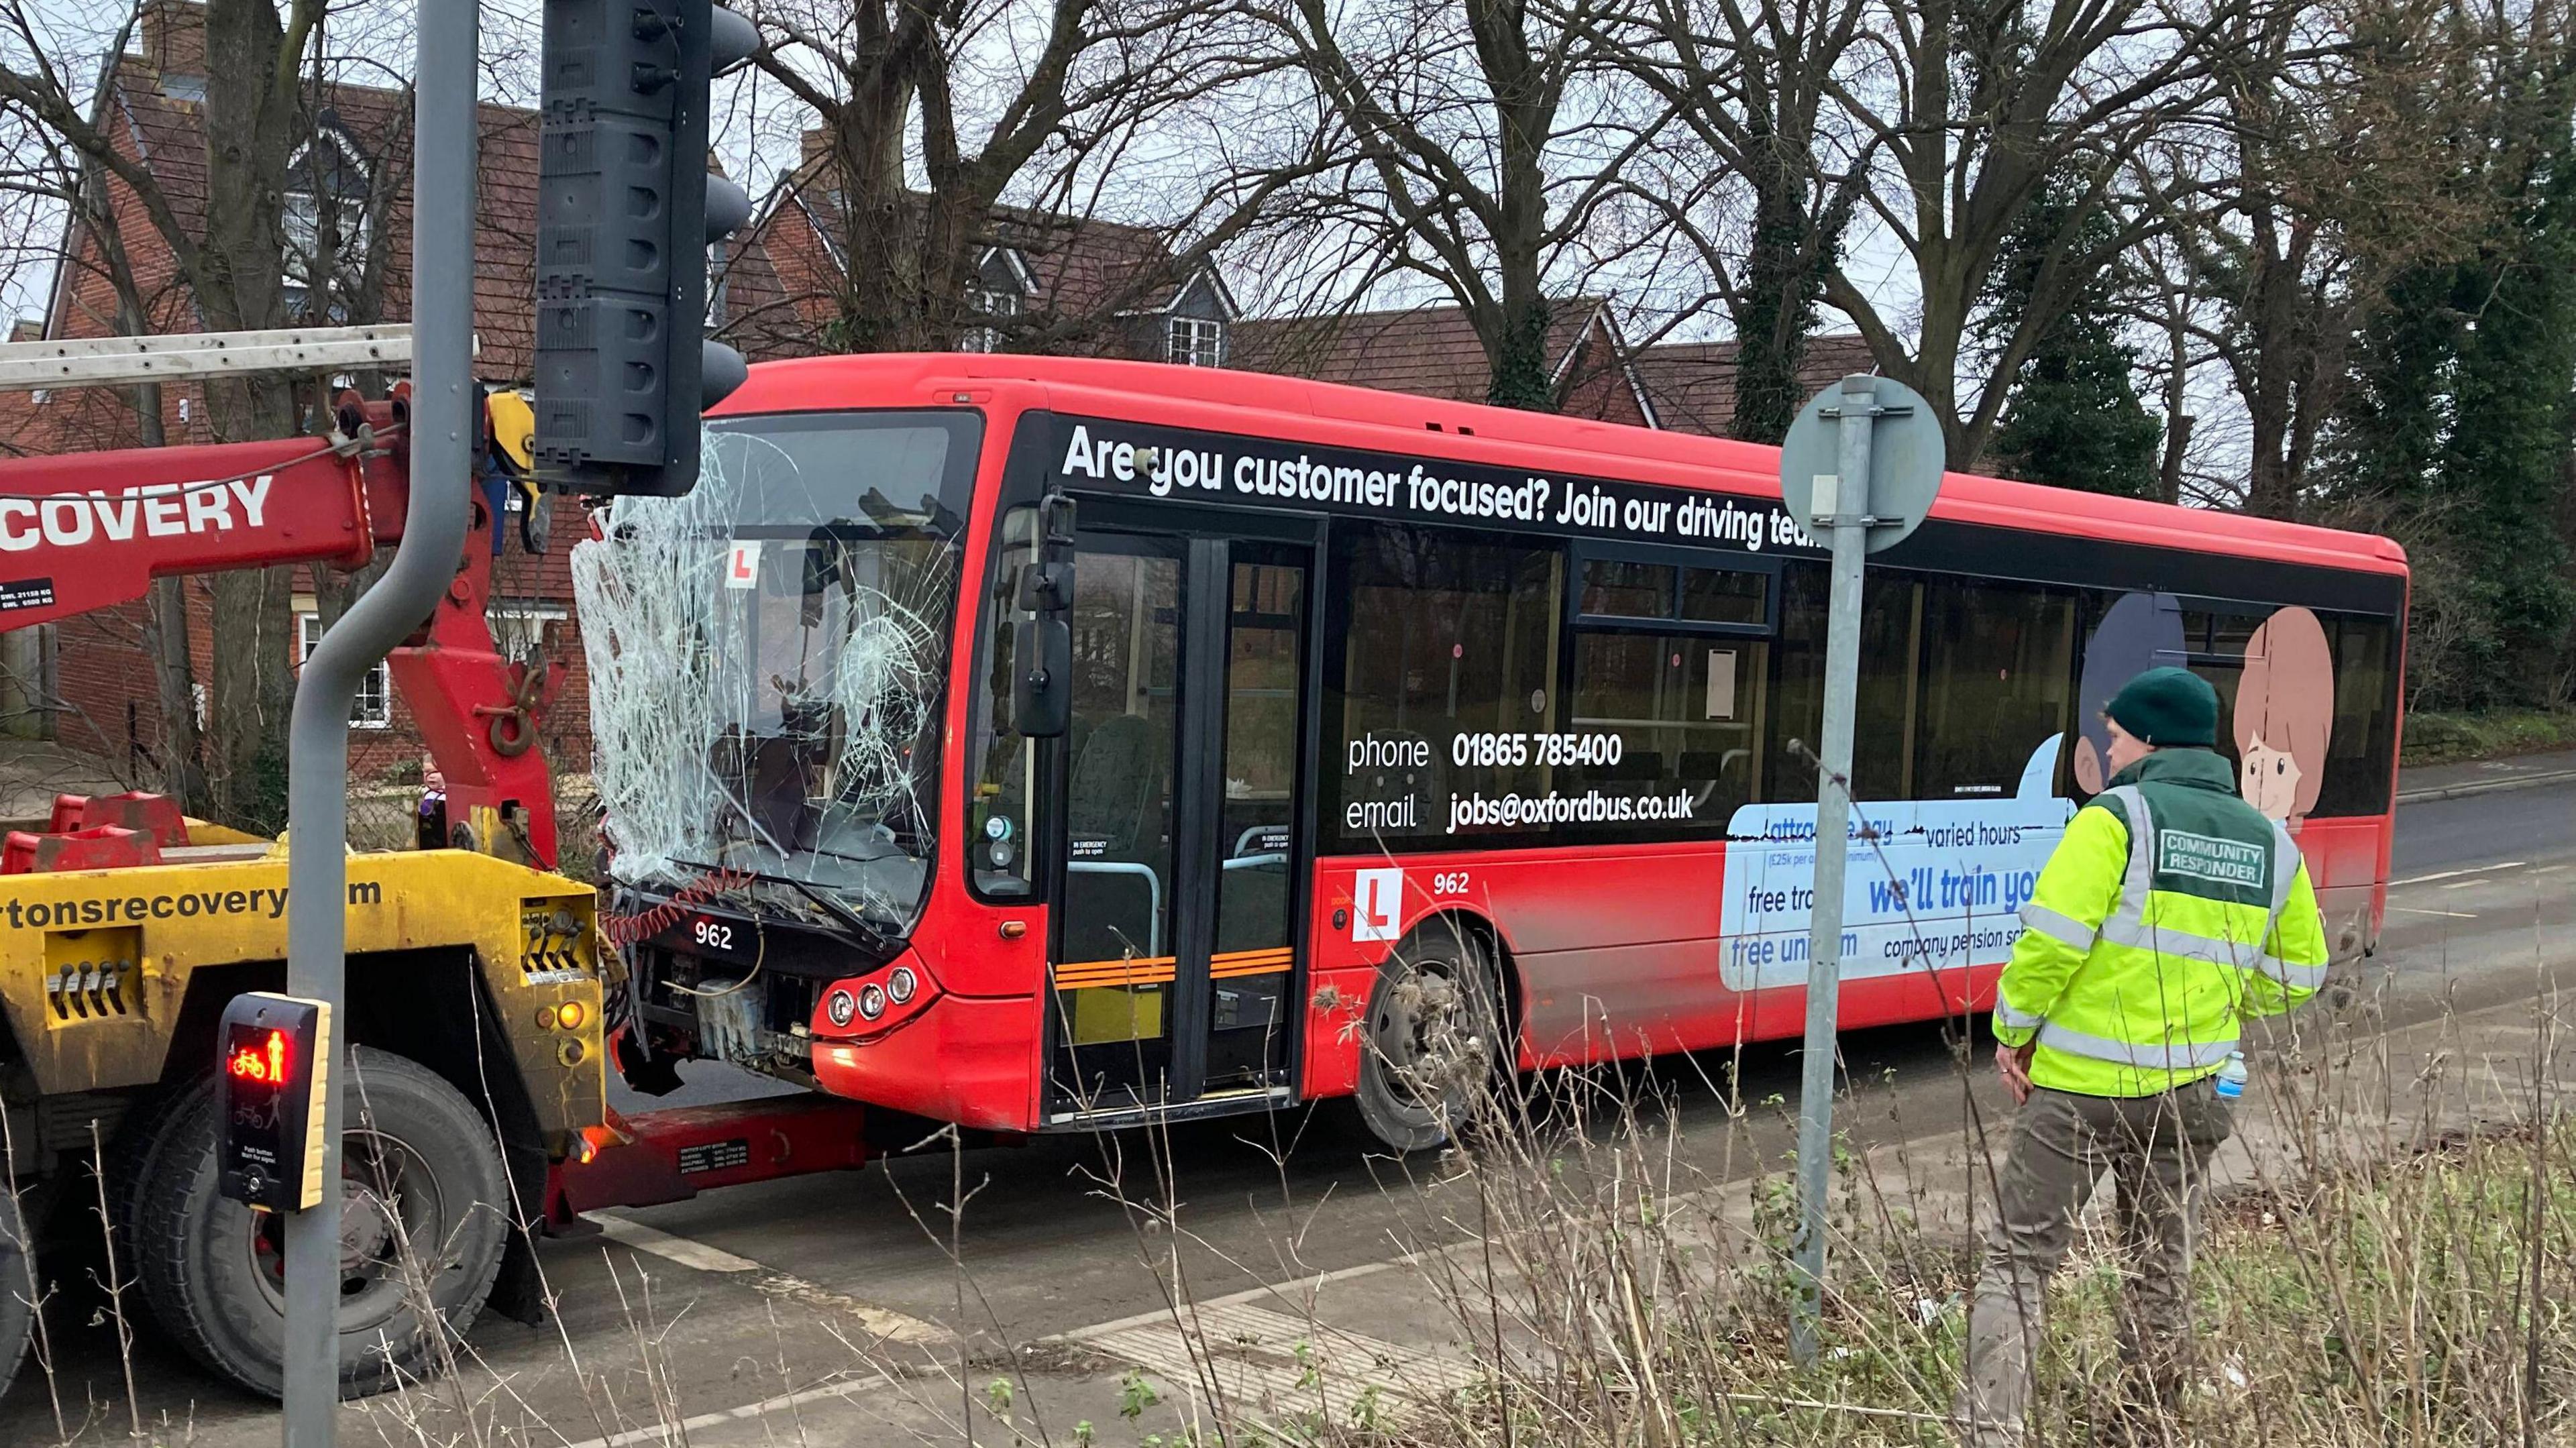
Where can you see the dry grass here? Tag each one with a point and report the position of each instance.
(1612, 1280)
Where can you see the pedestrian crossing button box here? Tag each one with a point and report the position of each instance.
(273, 1058)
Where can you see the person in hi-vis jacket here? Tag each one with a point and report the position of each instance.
(2171, 910)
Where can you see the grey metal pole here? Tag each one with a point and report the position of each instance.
(1847, 511)
(433, 543)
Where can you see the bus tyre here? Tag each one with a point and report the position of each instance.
(422, 1228)
(18, 1291)
(1434, 1041)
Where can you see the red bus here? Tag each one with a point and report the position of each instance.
(1041, 744)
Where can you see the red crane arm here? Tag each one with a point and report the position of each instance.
(87, 531)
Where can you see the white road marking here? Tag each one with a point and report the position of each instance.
(2455, 874)
(2453, 914)
(698, 1256)
(680, 1431)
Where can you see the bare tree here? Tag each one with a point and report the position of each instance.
(228, 247)
(1964, 109)
(2354, 146)
(1743, 184)
(1482, 137)
(949, 131)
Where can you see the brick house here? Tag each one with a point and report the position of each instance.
(1047, 282)
(150, 103)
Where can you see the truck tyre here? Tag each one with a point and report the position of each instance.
(1434, 1040)
(423, 1223)
(18, 1290)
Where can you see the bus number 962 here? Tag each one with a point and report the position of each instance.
(1506, 750)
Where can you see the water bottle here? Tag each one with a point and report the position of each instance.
(2231, 1077)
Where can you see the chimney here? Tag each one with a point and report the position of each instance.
(813, 145)
(174, 43)
(27, 329)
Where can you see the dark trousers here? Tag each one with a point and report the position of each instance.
(2157, 1149)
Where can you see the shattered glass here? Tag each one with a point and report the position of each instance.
(767, 657)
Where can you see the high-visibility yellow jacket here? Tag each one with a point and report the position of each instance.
(2169, 911)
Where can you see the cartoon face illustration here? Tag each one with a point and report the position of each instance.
(2285, 704)
(2137, 632)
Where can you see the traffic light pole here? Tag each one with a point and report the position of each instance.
(441, 439)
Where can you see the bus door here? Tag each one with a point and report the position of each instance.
(1175, 943)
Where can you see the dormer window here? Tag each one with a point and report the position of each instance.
(1197, 342)
(998, 294)
(996, 303)
(326, 224)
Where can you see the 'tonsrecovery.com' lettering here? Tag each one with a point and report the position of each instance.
(1590, 807)
(182, 905)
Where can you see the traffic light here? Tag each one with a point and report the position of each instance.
(625, 211)
(272, 1073)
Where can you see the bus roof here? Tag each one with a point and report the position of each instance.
(1331, 414)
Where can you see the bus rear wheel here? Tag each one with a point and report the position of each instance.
(422, 1228)
(1434, 1041)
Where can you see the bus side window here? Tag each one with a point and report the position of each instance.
(1449, 672)
(1998, 681)
(1000, 821)
(1883, 733)
(2357, 754)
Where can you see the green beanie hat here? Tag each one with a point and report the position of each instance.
(2167, 707)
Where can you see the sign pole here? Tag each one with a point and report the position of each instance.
(442, 436)
(1860, 468)
(1840, 509)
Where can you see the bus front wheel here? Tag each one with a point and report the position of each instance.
(421, 1233)
(1434, 1043)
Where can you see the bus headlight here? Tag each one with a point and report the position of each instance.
(901, 984)
(872, 1001)
(839, 1006)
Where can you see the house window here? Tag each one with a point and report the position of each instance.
(1196, 342)
(326, 223)
(523, 629)
(993, 302)
(373, 708)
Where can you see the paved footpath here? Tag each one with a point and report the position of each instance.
(2485, 776)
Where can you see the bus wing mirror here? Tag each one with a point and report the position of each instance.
(1055, 522)
(1042, 688)
(1046, 588)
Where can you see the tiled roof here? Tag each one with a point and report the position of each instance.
(1082, 267)
(1692, 384)
(1432, 351)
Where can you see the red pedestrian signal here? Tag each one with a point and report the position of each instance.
(276, 1055)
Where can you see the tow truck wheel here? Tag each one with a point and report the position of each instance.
(422, 1227)
(1434, 1038)
(17, 1287)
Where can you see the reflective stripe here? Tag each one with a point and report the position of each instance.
(2285, 869)
(2142, 866)
(2165, 940)
(2016, 1019)
(2056, 925)
(2147, 1056)
(2296, 977)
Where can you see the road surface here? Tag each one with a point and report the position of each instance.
(755, 1289)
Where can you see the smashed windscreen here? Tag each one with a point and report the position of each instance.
(767, 656)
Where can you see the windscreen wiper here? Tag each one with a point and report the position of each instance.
(854, 927)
